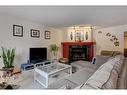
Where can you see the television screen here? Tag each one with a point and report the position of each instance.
(37, 55)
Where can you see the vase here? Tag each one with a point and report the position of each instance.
(8, 71)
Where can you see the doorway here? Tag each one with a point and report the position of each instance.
(125, 43)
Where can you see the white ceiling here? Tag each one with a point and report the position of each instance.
(64, 16)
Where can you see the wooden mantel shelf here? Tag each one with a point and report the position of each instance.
(66, 45)
(80, 43)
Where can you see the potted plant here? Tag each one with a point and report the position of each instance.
(8, 56)
(54, 49)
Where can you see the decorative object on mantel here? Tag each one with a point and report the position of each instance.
(86, 35)
(71, 36)
(35, 33)
(79, 36)
(47, 34)
(81, 33)
(18, 30)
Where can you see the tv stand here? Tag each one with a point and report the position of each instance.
(29, 66)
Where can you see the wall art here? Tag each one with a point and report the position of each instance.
(116, 43)
(108, 34)
(47, 34)
(18, 30)
(35, 33)
(113, 39)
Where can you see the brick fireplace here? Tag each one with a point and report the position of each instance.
(78, 50)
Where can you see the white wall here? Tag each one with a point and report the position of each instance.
(103, 42)
(65, 34)
(23, 44)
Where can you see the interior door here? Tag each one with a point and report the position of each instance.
(125, 43)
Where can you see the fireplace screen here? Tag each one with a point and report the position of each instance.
(79, 52)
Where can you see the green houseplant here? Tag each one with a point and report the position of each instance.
(54, 49)
(8, 56)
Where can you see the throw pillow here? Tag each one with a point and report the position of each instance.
(94, 60)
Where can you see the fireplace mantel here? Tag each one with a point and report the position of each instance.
(67, 44)
(77, 43)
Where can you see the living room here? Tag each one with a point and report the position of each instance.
(37, 28)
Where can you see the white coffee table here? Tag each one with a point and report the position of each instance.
(47, 74)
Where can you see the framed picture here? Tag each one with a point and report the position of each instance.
(35, 33)
(47, 35)
(18, 30)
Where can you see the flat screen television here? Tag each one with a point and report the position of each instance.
(37, 55)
